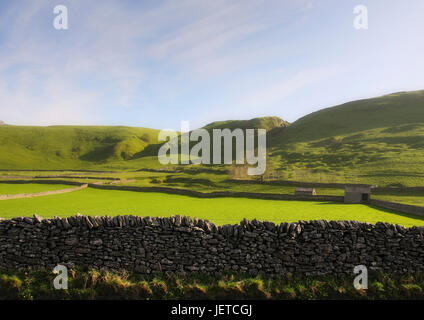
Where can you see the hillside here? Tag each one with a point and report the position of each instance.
(71, 147)
(378, 140)
(93, 147)
(398, 109)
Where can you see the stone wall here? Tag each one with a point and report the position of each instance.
(176, 244)
(187, 192)
(19, 181)
(292, 183)
(400, 207)
(221, 194)
(76, 177)
(398, 189)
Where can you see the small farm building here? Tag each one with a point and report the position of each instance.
(305, 192)
(357, 193)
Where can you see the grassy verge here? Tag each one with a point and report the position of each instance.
(93, 284)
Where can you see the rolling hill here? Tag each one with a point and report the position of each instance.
(92, 147)
(393, 110)
(70, 147)
(378, 141)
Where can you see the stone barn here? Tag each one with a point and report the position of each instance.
(305, 192)
(357, 193)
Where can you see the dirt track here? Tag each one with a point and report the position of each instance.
(40, 194)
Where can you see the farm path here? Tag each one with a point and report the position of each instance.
(40, 194)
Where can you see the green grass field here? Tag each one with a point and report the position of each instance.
(220, 211)
(11, 188)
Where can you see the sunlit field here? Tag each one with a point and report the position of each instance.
(220, 210)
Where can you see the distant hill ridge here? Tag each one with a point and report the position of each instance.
(395, 109)
(267, 123)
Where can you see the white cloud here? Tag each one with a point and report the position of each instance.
(114, 53)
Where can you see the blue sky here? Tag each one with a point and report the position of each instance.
(156, 63)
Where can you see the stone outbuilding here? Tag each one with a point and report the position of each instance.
(357, 193)
(305, 192)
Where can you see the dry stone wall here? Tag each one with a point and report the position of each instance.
(405, 208)
(180, 245)
(221, 194)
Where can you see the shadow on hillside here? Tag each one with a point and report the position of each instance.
(98, 154)
(148, 151)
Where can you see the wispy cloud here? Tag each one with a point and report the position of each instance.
(279, 89)
(270, 97)
(110, 49)
(155, 61)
